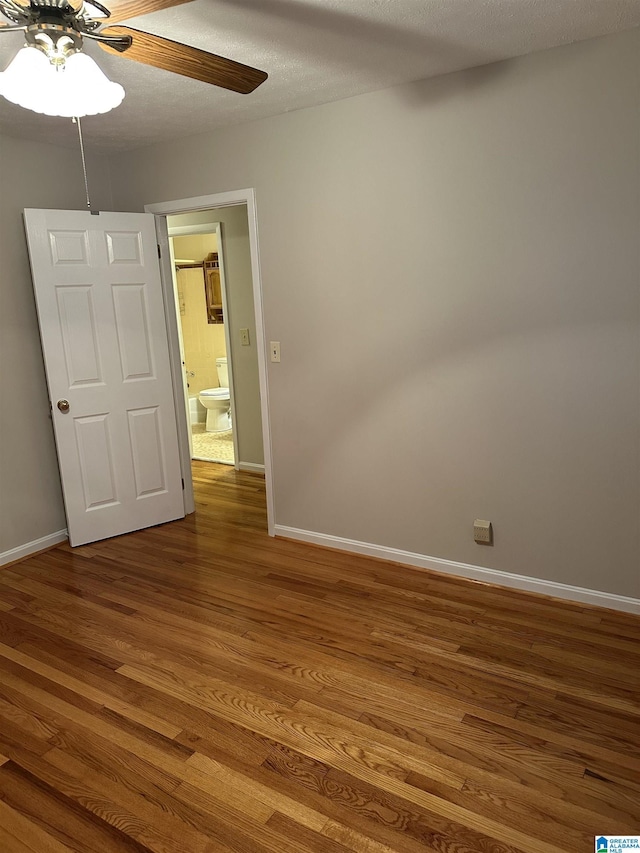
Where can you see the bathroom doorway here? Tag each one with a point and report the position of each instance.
(200, 295)
(247, 354)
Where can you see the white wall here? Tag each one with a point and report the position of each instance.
(31, 175)
(452, 269)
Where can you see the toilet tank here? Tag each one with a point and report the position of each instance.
(223, 372)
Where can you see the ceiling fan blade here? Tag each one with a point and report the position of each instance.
(188, 61)
(122, 10)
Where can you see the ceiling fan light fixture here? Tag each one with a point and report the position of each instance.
(51, 74)
(75, 88)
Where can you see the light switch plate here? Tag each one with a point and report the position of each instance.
(244, 337)
(274, 348)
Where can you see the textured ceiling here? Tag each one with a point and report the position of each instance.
(315, 51)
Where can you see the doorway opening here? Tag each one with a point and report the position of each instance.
(233, 214)
(200, 296)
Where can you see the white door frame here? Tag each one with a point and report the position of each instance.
(189, 205)
(227, 342)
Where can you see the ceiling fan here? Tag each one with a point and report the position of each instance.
(56, 28)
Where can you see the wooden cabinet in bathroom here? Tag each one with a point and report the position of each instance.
(213, 288)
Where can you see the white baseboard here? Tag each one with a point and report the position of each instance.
(28, 548)
(466, 570)
(208, 459)
(250, 466)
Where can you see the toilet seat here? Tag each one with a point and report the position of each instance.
(216, 393)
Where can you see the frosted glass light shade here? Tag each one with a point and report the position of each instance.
(79, 88)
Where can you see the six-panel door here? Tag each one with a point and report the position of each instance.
(102, 324)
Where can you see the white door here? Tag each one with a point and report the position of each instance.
(101, 313)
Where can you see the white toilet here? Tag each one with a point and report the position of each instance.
(217, 401)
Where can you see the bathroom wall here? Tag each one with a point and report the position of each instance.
(195, 246)
(203, 341)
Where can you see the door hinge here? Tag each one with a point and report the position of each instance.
(183, 484)
(159, 251)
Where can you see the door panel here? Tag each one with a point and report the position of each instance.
(146, 447)
(96, 461)
(132, 324)
(102, 324)
(124, 247)
(69, 247)
(78, 329)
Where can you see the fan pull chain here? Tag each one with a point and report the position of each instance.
(76, 120)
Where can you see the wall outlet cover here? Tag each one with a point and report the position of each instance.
(483, 532)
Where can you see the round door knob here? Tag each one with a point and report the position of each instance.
(63, 405)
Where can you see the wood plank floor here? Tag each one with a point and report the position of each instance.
(201, 688)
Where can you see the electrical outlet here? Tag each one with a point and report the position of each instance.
(244, 337)
(483, 532)
(274, 349)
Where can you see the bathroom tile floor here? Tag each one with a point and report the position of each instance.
(212, 446)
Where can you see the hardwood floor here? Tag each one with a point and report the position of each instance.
(200, 687)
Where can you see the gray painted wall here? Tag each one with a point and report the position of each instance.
(31, 175)
(241, 315)
(452, 269)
